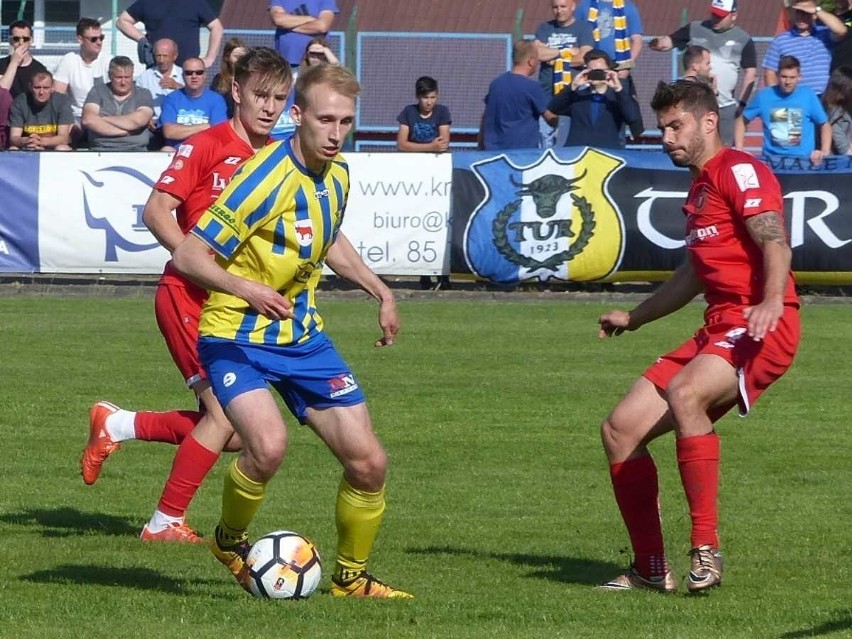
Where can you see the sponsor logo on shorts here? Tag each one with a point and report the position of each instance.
(732, 337)
(229, 379)
(342, 385)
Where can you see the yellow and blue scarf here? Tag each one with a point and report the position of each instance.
(619, 19)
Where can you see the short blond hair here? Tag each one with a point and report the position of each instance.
(338, 78)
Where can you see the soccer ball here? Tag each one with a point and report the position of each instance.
(283, 565)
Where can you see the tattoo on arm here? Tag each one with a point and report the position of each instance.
(767, 227)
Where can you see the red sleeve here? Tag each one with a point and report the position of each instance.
(750, 187)
(186, 170)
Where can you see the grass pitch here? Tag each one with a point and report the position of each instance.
(500, 514)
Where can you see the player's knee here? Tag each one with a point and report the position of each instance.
(368, 472)
(681, 395)
(266, 456)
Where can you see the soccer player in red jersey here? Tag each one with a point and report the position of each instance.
(738, 255)
(199, 171)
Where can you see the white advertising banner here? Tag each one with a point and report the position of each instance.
(90, 213)
(398, 215)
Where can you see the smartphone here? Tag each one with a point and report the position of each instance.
(596, 74)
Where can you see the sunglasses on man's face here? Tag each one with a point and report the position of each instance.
(21, 38)
(94, 39)
(194, 72)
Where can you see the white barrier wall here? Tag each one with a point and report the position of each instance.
(82, 212)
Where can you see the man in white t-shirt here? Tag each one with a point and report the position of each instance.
(77, 73)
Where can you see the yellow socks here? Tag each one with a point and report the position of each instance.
(241, 497)
(358, 515)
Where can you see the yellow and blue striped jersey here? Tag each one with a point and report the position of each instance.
(274, 224)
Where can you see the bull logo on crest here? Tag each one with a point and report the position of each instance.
(550, 220)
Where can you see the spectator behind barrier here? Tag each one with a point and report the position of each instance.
(318, 51)
(514, 103)
(837, 101)
(191, 109)
(296, 22)
(562, 43)
(842, 54)
(79, 71)
(617, 30)
(234, 49)
(732, 51)
(698, 65)
(5, 108)
(180, 21)
(424, 127)
(809, 42)
(41, 119)
(790, 113)
(165, 77)
(597, 103)
(18, 68)
(116, 115)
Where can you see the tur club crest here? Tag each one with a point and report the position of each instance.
(549, 220)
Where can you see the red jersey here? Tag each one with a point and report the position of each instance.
(199, 172)
(732, 187)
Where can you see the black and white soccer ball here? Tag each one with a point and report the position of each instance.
(283, 565)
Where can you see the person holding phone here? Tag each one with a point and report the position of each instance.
(597, 103)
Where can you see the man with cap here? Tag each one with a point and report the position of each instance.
(811, 43)
(732, 52)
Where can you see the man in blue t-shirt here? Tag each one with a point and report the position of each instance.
(191, 109)
(564, 38)
(178, 21)
(514, 103)
(790, 113)
(297, 22)
(424, 127)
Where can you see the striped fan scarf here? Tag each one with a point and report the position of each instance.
(562, 71)
(619, 19)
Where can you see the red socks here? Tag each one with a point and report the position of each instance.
(170, 427)
(698, 461)
(637, 494)
(191, 465)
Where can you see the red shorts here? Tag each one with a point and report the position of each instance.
(724, 333)
(178, 310)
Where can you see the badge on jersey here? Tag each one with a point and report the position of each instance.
(304, 232)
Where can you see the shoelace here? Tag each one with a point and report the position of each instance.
(704, 557)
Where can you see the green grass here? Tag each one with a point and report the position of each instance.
(500, 514)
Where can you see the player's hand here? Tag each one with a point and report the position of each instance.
(389, 323)
(763, 318)
(266, 301)
(613, 324)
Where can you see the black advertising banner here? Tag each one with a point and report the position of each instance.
(583, 214)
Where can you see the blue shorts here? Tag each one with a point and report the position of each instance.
(308, 375)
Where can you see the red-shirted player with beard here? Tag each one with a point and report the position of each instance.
(199, 172)
(738, 255)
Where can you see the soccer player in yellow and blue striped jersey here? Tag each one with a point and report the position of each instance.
(272, 229)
